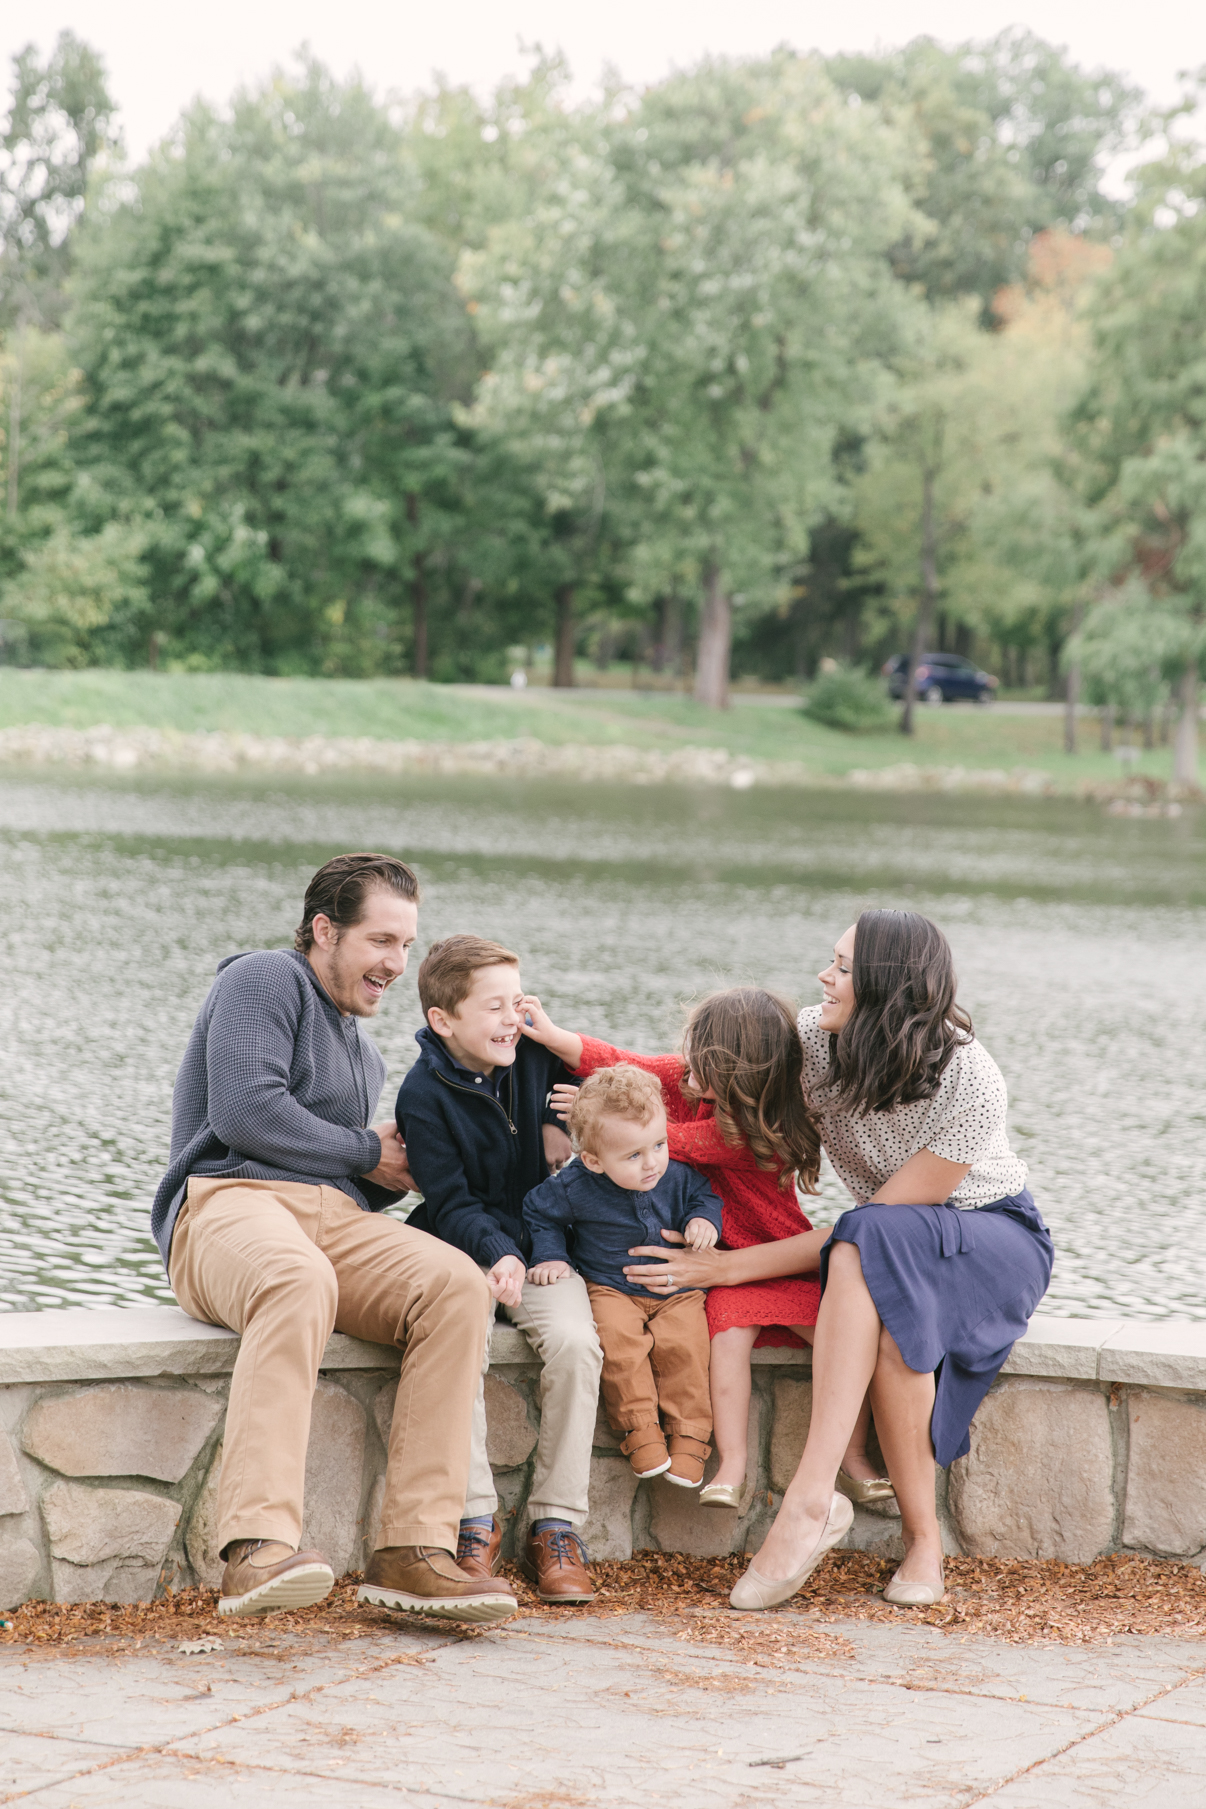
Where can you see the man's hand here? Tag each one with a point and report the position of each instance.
(557, 1147)
(537, 1024)
(701, 1234)
(393, 1170)
(505, 1280)
(545, 1274)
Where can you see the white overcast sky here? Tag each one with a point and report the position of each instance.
(159, 58)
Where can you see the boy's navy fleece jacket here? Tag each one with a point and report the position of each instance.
(608, 1220)
(474, 1152)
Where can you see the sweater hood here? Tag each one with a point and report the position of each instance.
(290, 954)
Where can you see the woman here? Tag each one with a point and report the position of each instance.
(921, 1301)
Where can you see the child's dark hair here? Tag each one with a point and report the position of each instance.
(743, 1046)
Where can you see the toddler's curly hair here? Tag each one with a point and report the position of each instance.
(624, 1091)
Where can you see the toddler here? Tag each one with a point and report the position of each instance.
(622, 1191)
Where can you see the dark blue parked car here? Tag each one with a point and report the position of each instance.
(941, 678)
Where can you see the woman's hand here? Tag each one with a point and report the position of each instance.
(681, 1269)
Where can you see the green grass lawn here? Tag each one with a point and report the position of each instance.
(399, 709)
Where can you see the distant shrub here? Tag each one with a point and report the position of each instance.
(849, 699)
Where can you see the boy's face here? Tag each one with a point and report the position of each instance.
(483, 1031)
(632, 1155)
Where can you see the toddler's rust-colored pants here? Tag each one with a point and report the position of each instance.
(655, 1354)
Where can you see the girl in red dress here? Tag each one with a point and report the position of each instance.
(735, 1110)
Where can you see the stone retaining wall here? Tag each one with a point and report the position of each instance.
(1093, 1440)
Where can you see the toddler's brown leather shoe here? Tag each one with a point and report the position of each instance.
(687, 1459)
(646, 1451)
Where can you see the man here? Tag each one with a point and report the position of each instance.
(269, 1222)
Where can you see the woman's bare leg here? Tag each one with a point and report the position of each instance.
(903, 1400)
(844, 1355)
(730, 1377)
(856, 1462)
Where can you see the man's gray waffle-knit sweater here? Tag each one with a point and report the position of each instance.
(275, 1085)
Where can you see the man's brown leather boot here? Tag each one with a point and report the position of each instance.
(422, 1579)
(555, 1561)
(478, 1552)
(263, 1576)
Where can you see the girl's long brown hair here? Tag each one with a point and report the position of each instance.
(743, 1045)
(905, 1026)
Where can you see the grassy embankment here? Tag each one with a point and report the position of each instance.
(401, 709)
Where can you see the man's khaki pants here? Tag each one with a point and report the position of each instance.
(285, 1265)
(656, 1353)
(557, 1322)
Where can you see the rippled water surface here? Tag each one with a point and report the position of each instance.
(1080, 942)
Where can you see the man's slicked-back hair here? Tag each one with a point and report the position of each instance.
(340, 891)
(447, 969)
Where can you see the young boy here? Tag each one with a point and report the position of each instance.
(625, 1191)
(479, 1134)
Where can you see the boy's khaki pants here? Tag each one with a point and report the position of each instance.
(656, 1352)
(558, 1324)
(285, 1265)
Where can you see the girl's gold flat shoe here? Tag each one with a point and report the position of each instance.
(721, 1494)
(754, 1591)
(913, 1595)
(862, 1490)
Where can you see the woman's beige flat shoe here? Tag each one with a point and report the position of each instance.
(754, 1591)
(721, 1494)
(913, 1595)
(862, 1490)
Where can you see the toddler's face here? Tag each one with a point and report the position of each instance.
(632, 1155)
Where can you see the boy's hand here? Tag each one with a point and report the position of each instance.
(701, 1234)
(536, 1023)
(557, 1147)
(505, 1280)
(562, 1098)
(393, 1170)
(545, 1274)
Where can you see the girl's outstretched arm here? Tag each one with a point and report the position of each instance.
(667, 1069)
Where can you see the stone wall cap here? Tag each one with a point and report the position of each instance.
(1161, 1353)
(1068, 1348)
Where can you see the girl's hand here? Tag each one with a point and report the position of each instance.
(535, 1022)
(505, 1280)
(701, 1234)
(680, 1268)
(545, 1274)
(562, 1098)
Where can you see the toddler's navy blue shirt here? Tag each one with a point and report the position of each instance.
(607, 1221)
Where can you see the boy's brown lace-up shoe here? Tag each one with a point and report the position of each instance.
(555, 1561)
(687, 1459)
(263, 1576)
(423, 1579)
(478, 1552)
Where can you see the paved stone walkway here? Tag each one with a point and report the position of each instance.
(571, 1714)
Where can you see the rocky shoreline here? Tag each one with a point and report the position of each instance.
(221, 751)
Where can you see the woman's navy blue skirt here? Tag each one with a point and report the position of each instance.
(955, 1289)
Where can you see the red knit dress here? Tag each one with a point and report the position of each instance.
(756, 1209)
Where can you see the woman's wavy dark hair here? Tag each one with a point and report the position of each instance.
(905, 1026)
(743, 1045)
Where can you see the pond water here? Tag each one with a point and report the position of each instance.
(1079, 939)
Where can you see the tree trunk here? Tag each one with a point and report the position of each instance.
(928, 600)
(418, 604)
(715, 644)
(1107, 727)
(418, 597)
(14, 428)
(1072, 693)
(1185, 748)
(563, 653)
